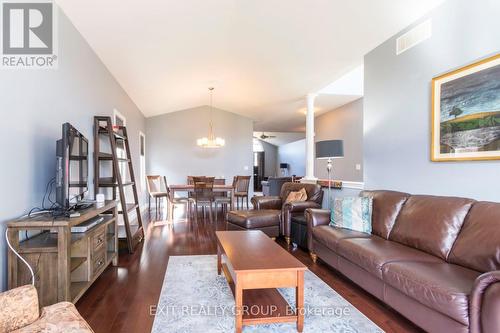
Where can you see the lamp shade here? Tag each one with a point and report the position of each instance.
(330, 149)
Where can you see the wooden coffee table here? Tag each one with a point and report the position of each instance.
(254, 266)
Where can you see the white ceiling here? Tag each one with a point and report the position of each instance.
(280, 138)
(263, 56)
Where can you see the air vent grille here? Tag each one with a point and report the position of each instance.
(414, 36)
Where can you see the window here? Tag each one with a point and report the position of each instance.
(142, 148)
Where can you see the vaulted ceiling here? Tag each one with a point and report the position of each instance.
(262, 56)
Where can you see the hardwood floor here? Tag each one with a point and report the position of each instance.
(120, 300)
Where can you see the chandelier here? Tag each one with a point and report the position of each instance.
(211, 141)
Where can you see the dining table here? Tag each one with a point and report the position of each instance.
(190, 188)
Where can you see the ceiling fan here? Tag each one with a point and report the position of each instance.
(263, 136)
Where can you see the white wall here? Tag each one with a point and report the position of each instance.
(344, 123)
(33, 106)
(172, 150)
(398, 100)
(270, 159)
(294, 154)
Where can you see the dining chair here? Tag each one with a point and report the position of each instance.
(204, 194)
(223, 200)
(157, 190)
(241, 190)
(189, 202)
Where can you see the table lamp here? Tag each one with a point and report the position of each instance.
(329, 150)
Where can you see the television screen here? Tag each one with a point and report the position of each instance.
(72, 167)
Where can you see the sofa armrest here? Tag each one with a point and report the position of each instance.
(290, 208)
(266, 202)
(314, 218)
(19, 308)
(300, 206)
(485, 303)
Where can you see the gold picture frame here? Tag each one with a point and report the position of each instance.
(465, 119)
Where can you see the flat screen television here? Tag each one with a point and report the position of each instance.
(72, 167)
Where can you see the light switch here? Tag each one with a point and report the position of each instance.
(358, 166)
(245, 168)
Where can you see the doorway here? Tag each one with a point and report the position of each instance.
(258, 170)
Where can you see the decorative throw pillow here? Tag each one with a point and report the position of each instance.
(297, 196)
(352, 213)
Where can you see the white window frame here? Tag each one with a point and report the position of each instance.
(117, 114)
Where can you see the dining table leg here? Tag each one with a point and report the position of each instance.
(231, 206)
(171, 207)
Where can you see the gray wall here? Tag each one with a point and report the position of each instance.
(294, 154)
(172, 151)
(344, 123)
(397, 105)
(34, 105)
(270, 159)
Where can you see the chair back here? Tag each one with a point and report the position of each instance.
(156, 183)
(241, 184)
(203, 188)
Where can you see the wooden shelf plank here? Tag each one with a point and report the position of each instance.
(103, 130)
(108, 182)
(48, 221)
(130, 207)
(77, 262)
(47, 241)
(109, 157)
(77, 289)
(134, 229)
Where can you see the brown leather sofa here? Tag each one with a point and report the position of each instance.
(436, 260)
(291, 209)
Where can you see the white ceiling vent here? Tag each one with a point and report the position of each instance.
(414, 36)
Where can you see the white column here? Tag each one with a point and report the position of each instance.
(310, 139)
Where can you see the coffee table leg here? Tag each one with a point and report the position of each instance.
(300, 301)
(219, 260)
(238, 297)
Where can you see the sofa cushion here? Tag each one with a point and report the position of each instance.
(18, 308)
(354, 213)
(478, 243)
(314, 191)
(430, 223)
(296, 196)
(372, 253)
(60, 317)
(440, 286)
(386, 208)
(330, 236)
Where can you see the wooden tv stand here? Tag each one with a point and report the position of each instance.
(65, 264)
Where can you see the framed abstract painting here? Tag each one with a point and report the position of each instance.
(466, 113)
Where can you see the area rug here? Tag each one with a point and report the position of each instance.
(194, 299)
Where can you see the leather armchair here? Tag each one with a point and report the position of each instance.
(314, 200)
